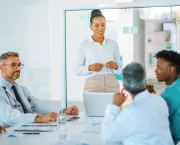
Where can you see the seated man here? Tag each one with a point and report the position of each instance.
(168, 71)
(145, 121)
(2, 129)
(16, 103)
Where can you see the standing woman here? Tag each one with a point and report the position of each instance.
(98, 58)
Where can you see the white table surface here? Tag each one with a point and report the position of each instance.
(75, 134)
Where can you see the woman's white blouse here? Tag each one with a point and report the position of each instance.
(90, 52)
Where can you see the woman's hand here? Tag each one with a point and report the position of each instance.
(111, 65)
(95, 67)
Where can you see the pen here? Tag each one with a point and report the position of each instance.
(31, 133)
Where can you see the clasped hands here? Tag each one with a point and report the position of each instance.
(119, 98)
(97, 66)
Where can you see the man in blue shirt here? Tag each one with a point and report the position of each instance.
(168, 71)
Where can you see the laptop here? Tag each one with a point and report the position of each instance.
(95, 103)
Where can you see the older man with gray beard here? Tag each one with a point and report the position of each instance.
(144, 122)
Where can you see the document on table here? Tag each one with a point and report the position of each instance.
(93, 126)
(36, 127)
(71, 117)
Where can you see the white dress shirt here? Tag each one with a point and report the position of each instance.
(11, 112)
(91, 52)
(144, 122)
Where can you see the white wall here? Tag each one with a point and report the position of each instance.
(24, 27)
(139, 43)
(57, 38)
(35, 27)
(80, 31)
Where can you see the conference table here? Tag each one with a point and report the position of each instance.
(83, 131)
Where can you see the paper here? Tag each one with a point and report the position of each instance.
(93, 126)
(35, 127)
(71, 117)
(70, 142)
(93, 129)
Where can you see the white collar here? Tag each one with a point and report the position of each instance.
(92, 40)
(141, 95)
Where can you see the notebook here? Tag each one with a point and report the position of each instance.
(36, 127)
(43, 127)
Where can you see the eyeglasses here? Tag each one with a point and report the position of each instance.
(15, 65)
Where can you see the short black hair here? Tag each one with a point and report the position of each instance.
(94, 14)
(171, 56)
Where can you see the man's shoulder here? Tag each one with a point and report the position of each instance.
(171, 90)
(130, 109)
(18, 85)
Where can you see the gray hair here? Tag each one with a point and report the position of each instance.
(134, 77)
(8, 54)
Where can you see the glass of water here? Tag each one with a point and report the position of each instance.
(61, 118)
(62, 131)
(62, 126)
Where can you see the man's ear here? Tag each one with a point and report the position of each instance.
(1, 67)
(172, 69)
(91, 27)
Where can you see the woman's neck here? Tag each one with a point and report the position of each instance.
(98, 39)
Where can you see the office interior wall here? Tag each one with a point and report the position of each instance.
(24, 27)
(77, 30)
(138, 43)
(47, 17)
(57, 37)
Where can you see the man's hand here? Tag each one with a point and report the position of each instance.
(150, 88)
(46, 118)
(2, 129)
(73, 110)
(119, 98)
(95, 67)
(111, 65)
